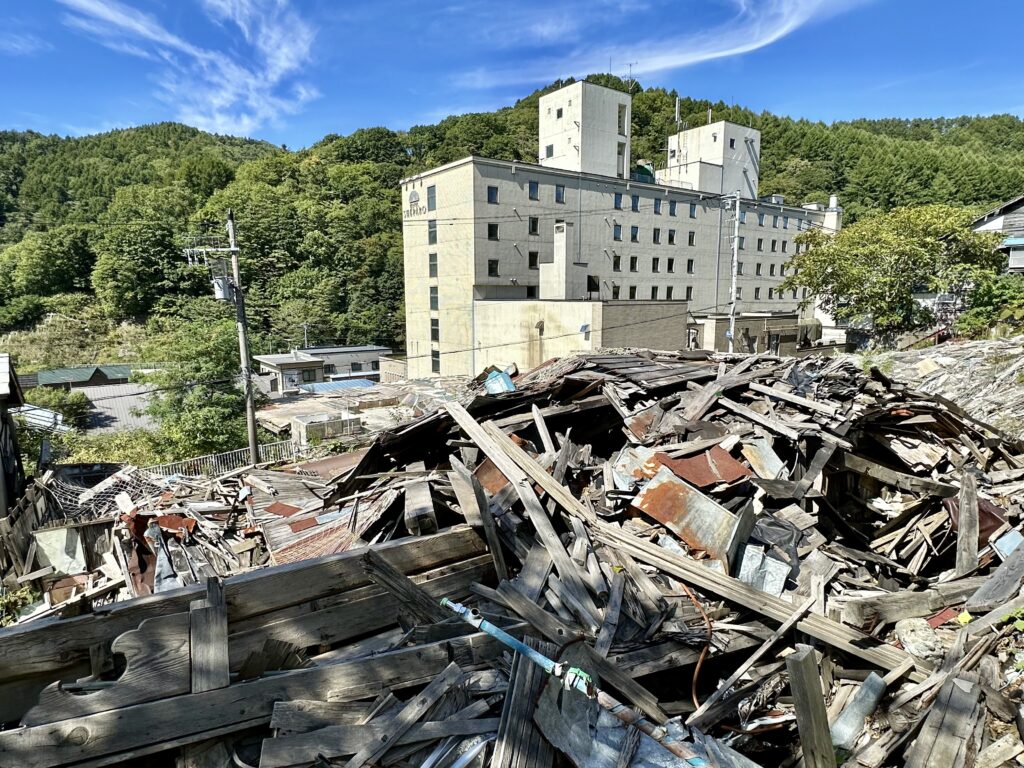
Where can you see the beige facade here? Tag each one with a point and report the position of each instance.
(755, 332)
(585, 127)
(480, 231)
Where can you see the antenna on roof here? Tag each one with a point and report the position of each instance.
(709, 115)
(677, 113)
(629, 80)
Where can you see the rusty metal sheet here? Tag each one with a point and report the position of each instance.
(696, 519)
(282, 509)
(712, 467)
(632, 466)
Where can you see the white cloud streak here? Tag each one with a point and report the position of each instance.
(235, 90)
(21, 44)
(753, 24)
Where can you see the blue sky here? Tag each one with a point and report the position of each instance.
(290, 71)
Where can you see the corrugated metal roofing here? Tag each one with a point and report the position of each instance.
(82, 373)
(333, 386)
(118, 406)
(343, 350)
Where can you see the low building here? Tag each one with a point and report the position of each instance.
(1008, 219)
(360, 362)
(783, 333)
(393, 368)
(291, 369)
(12, 476)
(77, 377)
(117, 407)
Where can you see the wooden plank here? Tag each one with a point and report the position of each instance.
(1000, 752)
(410, 597)
(1001, 586)
(420, 518)
(696, 719)
(900, 480)
(811, 717)
(757, 418)
(542, 430)
(397, 726)
(470, 494)
(905, 604)
(967, 526)
(189, 718)
(208, 628)
(947, 737)
(303, 715)
(789, 397)
(519, 741)
(611, 615)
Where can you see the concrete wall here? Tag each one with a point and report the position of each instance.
(506, 331)
(756, 333)
(720, 157)
(586, 136)
(393, 369)
(366, 361)
(652, 324)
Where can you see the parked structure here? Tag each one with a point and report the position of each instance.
(1007, 218)
(361, 362)
(291, 369)
(77, 377)
(11, 474)
(498, 254)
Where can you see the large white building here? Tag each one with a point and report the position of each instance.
(514, 262)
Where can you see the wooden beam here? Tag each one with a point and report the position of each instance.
(967, 526)
(811, 717)
(789, 397)
(208, 633)
(410, 597)
(420, 519)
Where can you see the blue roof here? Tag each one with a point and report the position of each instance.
(334, 386)
(1013, 241)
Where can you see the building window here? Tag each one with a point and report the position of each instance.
(559, 193)
(435, 329)
(558, 113)
(782, 270)
(785, 245)
(533, 259)
(771, 293)
(671, 265)
(617, 231)
(757, 293)
(492, 268)
(634, 234)
(739, 293)
(657, 236)
(760, 243)
(693, 210)
(618, 201)
(691, 238)
(433, 297)
(632, 291)
(655, 264)
(775, 222)
(534, 190)
(635, 202)
(654, 292)
(760, 219)
(531, 291)
(309, 375)
(432, 264)
(615, 292)
(739, 267)
(534, 225)
(732, 143)
(657, 206)
(671, 207)
(622, 119)
(794, 293)
(804, 293)
(616, 263)
(689, 266)
(771, 270)
(492, 231)
(757, 269)
(492, 195)
(743, 217)
(785, 222)
(743, 242)
(329, 368)
(668, 293)
(775, 244)
(432, 232)
(634, 263)
(357, 368)
(431, 198)
(671, 237)
(549, 150)
(689, 293)
(435, 361)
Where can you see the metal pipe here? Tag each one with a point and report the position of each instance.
(576, 679)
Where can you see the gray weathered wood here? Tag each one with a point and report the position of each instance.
(947, 737)
(471, 495)
(967, 528)
(611, 615)
(419, 504)
(208, 622)
(410, 597)
(1001, 586)
(519, 741)
(303, 715)
(811, 717)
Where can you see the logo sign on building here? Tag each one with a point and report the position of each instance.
(414, 209)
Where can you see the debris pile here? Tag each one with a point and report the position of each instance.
(764, 560)
(985, 377)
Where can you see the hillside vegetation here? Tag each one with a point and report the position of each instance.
(92, 228)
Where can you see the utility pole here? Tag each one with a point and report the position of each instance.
(735, 272)
(243, 342)
(305, 335)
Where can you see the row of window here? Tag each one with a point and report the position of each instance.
(774, 245)
(759, 269)
(533, 189)
(773, 293)
(634, 235)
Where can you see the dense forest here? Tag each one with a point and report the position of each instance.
(92, 229)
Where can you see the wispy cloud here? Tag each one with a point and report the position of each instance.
(226, 91)
(21, 44)
(752, 24)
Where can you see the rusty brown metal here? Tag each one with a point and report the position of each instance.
(712, 467)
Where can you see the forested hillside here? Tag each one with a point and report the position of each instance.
(92, 229)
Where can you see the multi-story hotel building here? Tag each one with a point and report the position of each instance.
(518, 262)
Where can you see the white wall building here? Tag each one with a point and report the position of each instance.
(495, 247)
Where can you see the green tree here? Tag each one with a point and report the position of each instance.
(45, 263)
(873, 267)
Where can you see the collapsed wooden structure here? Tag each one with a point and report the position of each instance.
(775, 560)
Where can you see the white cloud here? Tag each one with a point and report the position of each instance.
(20, 44)
(752, 25)
(227, 91)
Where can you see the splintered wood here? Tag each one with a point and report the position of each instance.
(769, 561)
